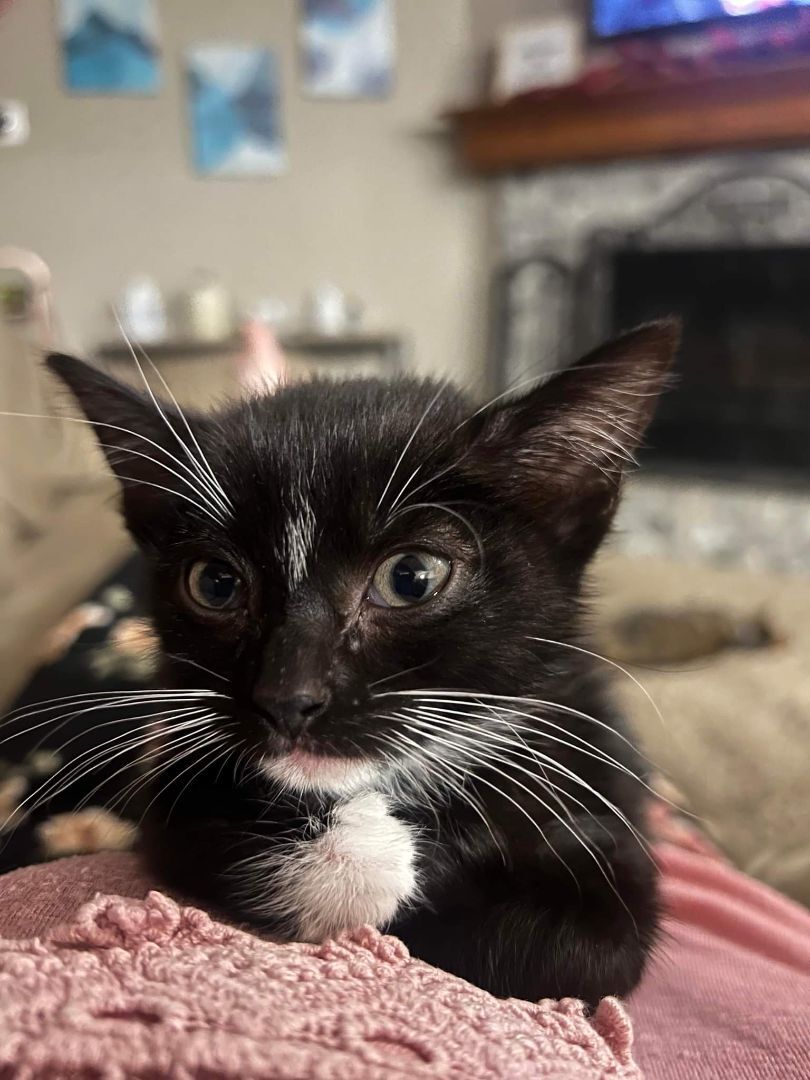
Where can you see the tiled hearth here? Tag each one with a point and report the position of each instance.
(751, 525)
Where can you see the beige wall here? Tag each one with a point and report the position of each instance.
(104, 188)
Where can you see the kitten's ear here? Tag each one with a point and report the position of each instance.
(137, 442)
(562, 448)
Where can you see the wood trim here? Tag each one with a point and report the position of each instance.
(756, 109)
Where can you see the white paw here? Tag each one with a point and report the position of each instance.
(360, 870)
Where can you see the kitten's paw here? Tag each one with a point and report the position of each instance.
(360, 870)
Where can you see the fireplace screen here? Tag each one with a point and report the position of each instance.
(741, 403)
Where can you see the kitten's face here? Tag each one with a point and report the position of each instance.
(324, 553)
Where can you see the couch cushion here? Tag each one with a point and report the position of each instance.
(736, 726)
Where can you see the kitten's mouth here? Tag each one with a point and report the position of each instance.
(304, 770)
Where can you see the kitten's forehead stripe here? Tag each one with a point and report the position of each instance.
(299, 538)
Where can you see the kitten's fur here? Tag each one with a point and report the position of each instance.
(499, 838)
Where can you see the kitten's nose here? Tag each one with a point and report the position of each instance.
(292, 715)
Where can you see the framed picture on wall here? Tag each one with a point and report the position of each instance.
(109, 46)
(235, 110)
(348, 48)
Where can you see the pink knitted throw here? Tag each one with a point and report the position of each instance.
(145, 987)
(149, 988)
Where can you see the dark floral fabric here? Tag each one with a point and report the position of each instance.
(61, 791)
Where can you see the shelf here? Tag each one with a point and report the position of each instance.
(302, 341)
(757, 108)
(172, 349)
(340, 343)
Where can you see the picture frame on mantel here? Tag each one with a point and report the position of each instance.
(537, 55)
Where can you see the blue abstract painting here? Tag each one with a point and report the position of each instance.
(110, 46)
(235, 111)
(348, 48)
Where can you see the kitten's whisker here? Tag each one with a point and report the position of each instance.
(479, 696)
(184, 745)
(170, 491)
(588, 748)
(95, 755)
(401, 781)
(233, 748)
(238, 763)
(168, 752)
(423, 730)
(144, 778)
(216, 738)
(447, 510)
(549, 762)
(552, 789)
(73, 771)
(456, 787)
(23, 711)
(396, 501)
(143, 720)
(605, 660)
(459, 730)
(200, 465)
(211, 758)
(408, 444)
(542, 380)
(203, 460)
(539, 379)
(425, 733)
(55, 724)
(101, 424)
(179, 739)
(435, 478)
(399, 674)
(116, 701)
(128, 451)
(193, 663)
(481, 732)
(182, 717)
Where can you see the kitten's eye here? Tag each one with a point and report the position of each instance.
(213, 583)
(408, 578)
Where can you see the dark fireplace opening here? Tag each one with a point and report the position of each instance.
(741, 402)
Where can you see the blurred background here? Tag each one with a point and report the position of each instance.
(470, 189)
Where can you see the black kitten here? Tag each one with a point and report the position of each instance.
(372, 594)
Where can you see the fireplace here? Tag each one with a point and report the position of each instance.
(725, 244)
(732, 258)
(741, 400)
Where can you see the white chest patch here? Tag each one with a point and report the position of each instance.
(359, 870)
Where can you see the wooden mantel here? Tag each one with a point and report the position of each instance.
(759, 108)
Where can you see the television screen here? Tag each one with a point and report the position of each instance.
(612, 18)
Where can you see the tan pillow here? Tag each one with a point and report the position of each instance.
(736, 733)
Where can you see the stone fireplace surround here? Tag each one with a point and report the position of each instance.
(551, 227)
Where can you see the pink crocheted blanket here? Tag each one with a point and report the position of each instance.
(136, 984)
(149, 987)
